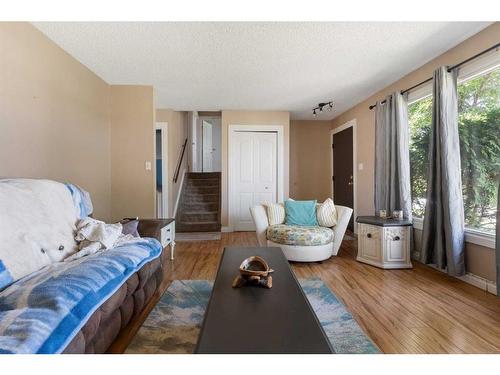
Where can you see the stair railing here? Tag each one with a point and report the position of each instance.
(179, 161)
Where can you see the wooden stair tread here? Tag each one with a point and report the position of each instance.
(200, 203)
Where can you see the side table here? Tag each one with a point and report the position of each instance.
(384, 243)
(161, 229)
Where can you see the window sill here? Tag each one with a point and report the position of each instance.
(471, 235)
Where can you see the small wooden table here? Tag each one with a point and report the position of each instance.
(258, 320)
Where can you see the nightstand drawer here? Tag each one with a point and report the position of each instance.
(168, 234)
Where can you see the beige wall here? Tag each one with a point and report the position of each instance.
(132, 144)
(310, 169)
(177, 134)
(479, 258)
(252, 118)
(54, 115)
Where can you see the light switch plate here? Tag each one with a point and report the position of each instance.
(147, 165)
(360, 166)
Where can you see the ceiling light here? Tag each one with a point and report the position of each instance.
(320, 106)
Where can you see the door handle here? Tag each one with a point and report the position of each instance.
(351, 182)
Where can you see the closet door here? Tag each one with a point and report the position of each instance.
(253, 174)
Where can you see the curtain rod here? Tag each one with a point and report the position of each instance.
(449, 70)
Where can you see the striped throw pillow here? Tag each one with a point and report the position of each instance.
(326, 214)
(275, 213)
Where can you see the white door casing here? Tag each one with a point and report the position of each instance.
(163, 126)
(255, 171)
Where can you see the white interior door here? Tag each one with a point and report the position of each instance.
(216, 142)
(253, 174)
(207, 159)
(193, 137)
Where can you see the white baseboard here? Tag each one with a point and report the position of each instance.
(226, 230)
(477, 281)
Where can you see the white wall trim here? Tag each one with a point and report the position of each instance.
(163, 126)
(279, 129)
(472, 279)
(179, 193)
(226, 229)
(354, 124)
(471, 235)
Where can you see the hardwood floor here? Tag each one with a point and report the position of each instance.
(403, 311)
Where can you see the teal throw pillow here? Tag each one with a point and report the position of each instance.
(300, 213)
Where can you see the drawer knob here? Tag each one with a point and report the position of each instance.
(168, 230)
(369, 235)
(396, 238)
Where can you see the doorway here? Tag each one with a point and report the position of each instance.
(343, 163)
(161, 142)
(210, 144)
(255, 171)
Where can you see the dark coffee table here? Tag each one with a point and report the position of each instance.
(258, 320)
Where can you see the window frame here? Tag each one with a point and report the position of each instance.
(471, 70)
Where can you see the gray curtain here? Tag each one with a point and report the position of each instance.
(443, 231)
(392, 157)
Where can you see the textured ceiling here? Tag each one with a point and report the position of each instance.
(257, 66)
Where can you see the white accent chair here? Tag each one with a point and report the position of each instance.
(299, 253)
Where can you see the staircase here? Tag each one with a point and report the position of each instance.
(199, 206)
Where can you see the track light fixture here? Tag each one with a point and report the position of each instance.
(320, 106)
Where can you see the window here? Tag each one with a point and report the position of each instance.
(419, 118)
(479, 133)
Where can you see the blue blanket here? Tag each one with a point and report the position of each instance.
(81, 200)
(42, 312)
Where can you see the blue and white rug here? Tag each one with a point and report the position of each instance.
(173, 325)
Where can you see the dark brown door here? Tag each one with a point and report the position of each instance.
(343, 183)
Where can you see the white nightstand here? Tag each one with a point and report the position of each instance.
(384, 243)
(168, 237)
(161, 229)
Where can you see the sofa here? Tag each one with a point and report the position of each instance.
(49, 305)
(301, 243)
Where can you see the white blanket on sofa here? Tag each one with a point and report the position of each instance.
(37, 219)
(94, 235)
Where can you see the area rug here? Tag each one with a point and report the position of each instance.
(173, 325)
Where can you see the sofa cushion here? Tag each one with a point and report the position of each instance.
(43, 312)
(299, 235)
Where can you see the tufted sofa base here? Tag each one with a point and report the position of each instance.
(121, 308)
